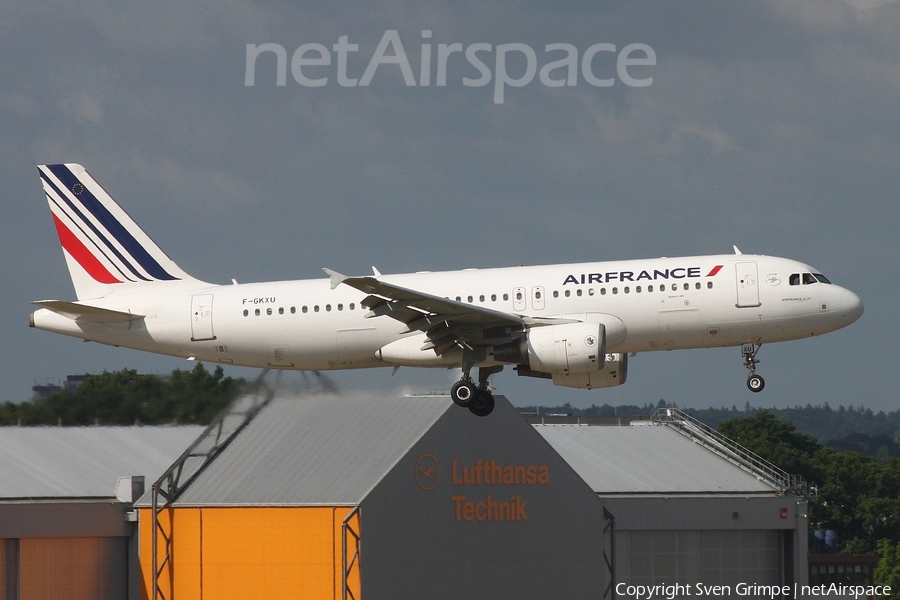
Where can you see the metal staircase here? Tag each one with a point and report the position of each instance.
(731, 451)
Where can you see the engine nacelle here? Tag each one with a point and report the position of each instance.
(407, 352)
(614, 372)
(570, 348)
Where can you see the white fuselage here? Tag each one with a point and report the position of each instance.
(664, 304)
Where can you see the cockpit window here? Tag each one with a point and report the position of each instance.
(808, 278)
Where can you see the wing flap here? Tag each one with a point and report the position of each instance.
(86, 312)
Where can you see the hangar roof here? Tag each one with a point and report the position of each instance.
(84, 462)
(647, 460)
(314, 450)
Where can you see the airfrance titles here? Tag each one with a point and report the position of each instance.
(644, 275)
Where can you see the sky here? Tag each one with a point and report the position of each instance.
(768, 125)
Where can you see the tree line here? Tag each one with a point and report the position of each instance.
(129, 398)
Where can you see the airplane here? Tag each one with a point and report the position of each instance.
(575, 324)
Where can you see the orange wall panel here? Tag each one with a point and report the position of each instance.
(180, 577)
(247, 552)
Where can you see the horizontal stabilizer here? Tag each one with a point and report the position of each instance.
(86, 312)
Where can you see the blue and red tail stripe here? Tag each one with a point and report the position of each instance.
(113, 243)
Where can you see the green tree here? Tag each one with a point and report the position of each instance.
(127, 397)
(888, 570)
(779, 442)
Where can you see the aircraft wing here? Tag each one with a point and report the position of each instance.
(86, 312)
(446, 322)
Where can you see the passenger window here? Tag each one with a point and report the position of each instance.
(459, 299)
(246, 312)
(352, 306)
(568, 293)
(493, 297)
(340, 307)
(316, 308)
(469, 299)
(293, 310)
(709, 285)
(280, 310)
(794, 279)
(268, 311)
(615, 290)
(627, 289)
(505, 297)
(305, 309)
(687, 286)
(662, 287)
(256, 312)
(518, 295)
(578, 292)
(481, 298)
(697, 285)
(556, 293)
(637, 289)
(328, 307)
(649, 288)
(602, 291)
(591, 292)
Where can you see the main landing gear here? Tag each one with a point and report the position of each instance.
(755, 383)
(476, 398)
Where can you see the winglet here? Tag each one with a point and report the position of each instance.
(376, 271)
(336, 278)
(736, 250)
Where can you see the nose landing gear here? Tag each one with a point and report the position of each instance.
(755, 383)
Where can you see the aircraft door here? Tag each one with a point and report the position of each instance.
(519, 299)
(537, 298)
(201, 318)
(747, 281)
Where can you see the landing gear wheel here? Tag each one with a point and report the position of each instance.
(482, 404)
(756, 383)
(463, 392)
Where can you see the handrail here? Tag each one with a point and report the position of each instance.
(731, 451)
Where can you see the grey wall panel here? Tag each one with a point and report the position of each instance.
(64, 519)
(723, 557)
(706, 512)
(420, 541)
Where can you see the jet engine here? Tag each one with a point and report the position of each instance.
(613, 373)
(569, 348)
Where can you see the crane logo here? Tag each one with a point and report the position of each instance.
(427, 472)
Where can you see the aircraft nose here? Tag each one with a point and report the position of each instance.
(851, 305)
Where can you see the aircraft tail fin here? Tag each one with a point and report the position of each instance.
(104, 248)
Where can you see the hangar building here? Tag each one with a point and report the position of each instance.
(376, 498)
(689, 504)
(356, 496)
(65, 494)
